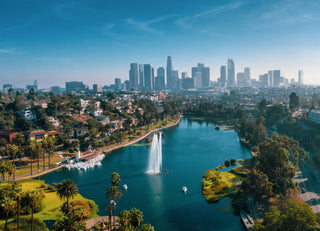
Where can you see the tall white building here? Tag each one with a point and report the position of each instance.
(231, 81)
(300, 77)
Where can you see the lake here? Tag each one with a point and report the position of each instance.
(189, 150)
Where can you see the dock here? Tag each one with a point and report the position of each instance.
(246, 220)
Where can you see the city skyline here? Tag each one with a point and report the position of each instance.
(95, 42)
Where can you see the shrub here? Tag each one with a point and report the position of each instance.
(53, 189)
(26, 203)
(44, 185)
(233, 162)
(227, 163)
(76, 204)
(71, 150)
(254, 149)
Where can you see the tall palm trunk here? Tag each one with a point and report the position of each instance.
(6, 224)
(110, 218)
(44, 160)
(38, 162)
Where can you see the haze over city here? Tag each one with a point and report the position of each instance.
(95, 42)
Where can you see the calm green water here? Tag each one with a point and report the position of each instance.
(189, 150)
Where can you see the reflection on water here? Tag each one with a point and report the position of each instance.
(188, 152)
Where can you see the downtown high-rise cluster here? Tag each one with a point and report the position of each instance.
(143, 77)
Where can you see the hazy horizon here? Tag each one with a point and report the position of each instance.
(95, 41)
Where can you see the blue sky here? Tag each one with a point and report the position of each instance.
(95, 41)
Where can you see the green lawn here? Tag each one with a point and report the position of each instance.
(216, 185)
(52, 203)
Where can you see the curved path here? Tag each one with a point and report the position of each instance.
(106, 149)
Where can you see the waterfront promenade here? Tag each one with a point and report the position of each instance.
(107, 150)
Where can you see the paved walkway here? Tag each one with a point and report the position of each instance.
(106, 149)
(90, 223)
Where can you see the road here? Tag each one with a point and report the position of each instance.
(308, 178)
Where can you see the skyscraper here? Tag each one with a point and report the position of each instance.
(36, 85)
(147, 73)
(134, 75)
(231, 73)
(117, 83)
(153, 80)
(175, 78)
(247, 73)
(74, 86)
(97, 88)
(223, 76)
(141, 78)
(184, 75)
(276, 78)
(170, 82)
(205, 75)
(264, 81)
(270, 78)
(243, 78)
(161, 78)
(198, 80)
(300, 77)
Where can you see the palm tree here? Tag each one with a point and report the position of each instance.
(7, 204)
(48, 144)
(113, 194)
(67, 189)
(110, 207)
(3, 168)
(35, 150)
(2, 151)
(30, 153)
(19, 140)
(13, 150)
(33, 196)
(136, 217)
(17, 190)
(69, 223)
(18, 198)
(115, 178)
(11, 169)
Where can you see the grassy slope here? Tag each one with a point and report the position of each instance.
(52, 203)
(219, 184)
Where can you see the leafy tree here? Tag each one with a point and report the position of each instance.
(258, 184)
(115, 178)
(20, 141)
(66, 190)
(262, 106)
(33, 196)
(3, 168)
(294, 101)
(291, 216)
(147, 227)
(124, 220)
(69, 222)
(7, 204)
(136, 217)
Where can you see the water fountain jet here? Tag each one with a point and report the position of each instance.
(155, 155)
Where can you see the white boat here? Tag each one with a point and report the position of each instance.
(125, 187)
(184, 189)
